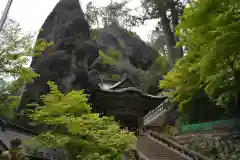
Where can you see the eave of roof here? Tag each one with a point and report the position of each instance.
(4, 124)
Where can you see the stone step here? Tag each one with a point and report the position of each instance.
(156, 151)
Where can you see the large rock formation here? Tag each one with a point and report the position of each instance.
(65, 24)
(75, 63)
(131, 46)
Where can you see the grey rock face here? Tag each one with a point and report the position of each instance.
(135, 53)
(65, 24)
(131, 46)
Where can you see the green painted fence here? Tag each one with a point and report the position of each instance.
(211, 126)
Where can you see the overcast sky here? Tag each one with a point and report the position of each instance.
(32, 13)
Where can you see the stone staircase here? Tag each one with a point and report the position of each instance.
(156, 151)
(152, 146)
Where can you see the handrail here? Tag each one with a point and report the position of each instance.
(163, 106)
(189, 154)
(139, 155)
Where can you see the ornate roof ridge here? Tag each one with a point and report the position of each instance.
(113, 89)
(132, 89)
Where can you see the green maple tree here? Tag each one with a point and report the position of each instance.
(210, 31)
(15, 51)
(74, 128)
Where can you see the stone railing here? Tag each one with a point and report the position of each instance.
(185, 152)
(151, 114)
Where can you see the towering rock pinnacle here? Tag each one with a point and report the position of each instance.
(65, 24)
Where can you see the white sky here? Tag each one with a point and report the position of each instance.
(31, 14)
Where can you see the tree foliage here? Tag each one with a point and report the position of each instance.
(15, 51)
(167, 12)
(74, 128)
(111, 57)
(158, 41)
(210, 30)
(113, 12)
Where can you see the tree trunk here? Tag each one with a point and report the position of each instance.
(170, 38)
(173, 53)
(175, 21)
